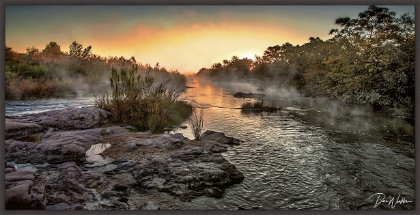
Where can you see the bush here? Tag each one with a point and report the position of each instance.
(21, 89)
(139, 101)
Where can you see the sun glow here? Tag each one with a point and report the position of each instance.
(248, 55)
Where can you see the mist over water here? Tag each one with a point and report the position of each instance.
(314, 153)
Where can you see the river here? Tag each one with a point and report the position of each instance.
(311, 154)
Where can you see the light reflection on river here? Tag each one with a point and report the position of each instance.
(312, 154)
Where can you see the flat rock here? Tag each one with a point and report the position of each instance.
(15, 129)
(71, 118)
(54, 147)
(23, 191)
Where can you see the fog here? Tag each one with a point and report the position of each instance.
(334, 116)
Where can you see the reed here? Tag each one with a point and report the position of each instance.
(196, 123)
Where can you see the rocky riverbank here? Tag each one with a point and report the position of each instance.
(53, 163)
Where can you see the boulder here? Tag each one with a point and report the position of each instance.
(24, 191)
(219, 137)
(188, 173)
(19, 151)
(71, 118)
(62, 146)
(15, 129)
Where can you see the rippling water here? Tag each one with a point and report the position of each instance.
(312, 154)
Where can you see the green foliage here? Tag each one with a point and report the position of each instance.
(138, 100)
(378, 64)
(61, 69)
(370, 60)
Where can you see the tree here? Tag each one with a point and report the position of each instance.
(52, 51)
(376, 61)
(76, 51)
(11, 56)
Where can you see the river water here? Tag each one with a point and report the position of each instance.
(311, 154)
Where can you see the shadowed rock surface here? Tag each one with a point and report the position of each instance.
(15, 129)
(219, 137)
(141, 170)
(70, 118)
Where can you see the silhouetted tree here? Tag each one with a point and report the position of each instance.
(52, 51)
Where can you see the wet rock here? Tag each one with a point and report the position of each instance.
(71, 118)
(217, 148)
(15, 129)
(219, 137)
(23, 191)
(248, 95)
(214, 192)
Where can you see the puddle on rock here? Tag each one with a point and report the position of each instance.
(93, 157)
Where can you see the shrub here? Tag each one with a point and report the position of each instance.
(196, 123)
(138, 100)
(252, 105)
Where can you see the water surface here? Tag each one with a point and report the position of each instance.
(311, 154)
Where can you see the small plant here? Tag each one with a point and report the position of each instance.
(252, 105)
(196, 123)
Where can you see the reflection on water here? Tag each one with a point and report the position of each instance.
(93, 157)
(312, 154)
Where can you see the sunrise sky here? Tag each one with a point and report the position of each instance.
(185, 38)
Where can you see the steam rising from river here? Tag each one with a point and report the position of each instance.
(331, 114)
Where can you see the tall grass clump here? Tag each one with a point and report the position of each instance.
(138, 100)
(196, 123)
(252, 105)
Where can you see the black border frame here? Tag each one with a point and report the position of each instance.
(416, 3)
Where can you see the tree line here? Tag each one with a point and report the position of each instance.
(369, 60)
(52, 72)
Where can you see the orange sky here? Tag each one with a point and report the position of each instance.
(185, 38)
